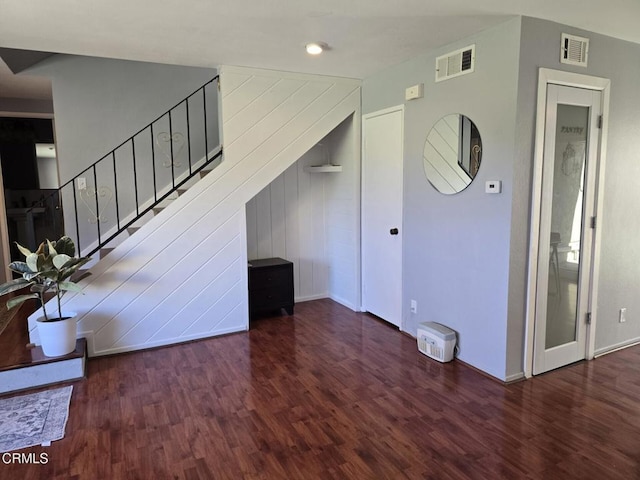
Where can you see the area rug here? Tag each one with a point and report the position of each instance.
(33, 419)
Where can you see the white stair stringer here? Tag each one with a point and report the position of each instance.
(183, 275)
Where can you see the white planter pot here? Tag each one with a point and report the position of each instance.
(59, 337)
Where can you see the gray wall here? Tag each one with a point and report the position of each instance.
(620, 249)
(100, 102)
(456, 255)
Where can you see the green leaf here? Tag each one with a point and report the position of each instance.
(65, 245)
(13, 285)
(32, 276)
(25, 251)
(50, 275)
(69, 287)
(41, 249)
(41, 288)
(20, 267)
(21, 299)
(32, 262)
(60, 260)
(52, 249)
(46, 264)
(71, 267)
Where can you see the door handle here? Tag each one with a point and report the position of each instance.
(393, 231)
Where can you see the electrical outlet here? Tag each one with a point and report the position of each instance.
(82, 183)
(414, 306)
(623, 315)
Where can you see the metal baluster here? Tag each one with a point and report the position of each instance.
(188, 135)
(95, 183)
(204, 109)
(153, 165)
(115, 188)
(75, 211)
(173, 172)
(135, 176)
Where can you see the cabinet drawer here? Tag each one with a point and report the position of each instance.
(268, 277)
(270, 298)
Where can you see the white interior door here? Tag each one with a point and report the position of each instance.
(382, 161)
(565, 252)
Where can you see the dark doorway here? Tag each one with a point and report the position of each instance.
(30, 181)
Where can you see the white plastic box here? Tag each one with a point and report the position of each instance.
(436, 341)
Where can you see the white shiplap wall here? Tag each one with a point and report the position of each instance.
(313, 219)
(183, 275)
(287, 219)
(342, 218)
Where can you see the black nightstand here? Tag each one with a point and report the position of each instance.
(270, 285)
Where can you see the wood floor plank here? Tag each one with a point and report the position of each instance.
(332, 394)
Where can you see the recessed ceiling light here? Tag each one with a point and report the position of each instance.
(315, 48)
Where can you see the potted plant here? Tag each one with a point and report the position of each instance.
(48, 269)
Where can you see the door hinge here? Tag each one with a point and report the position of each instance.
(588, 318)
(218, 82)
(599, 121)
(593, 222)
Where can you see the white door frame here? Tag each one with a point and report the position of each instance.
(548, 76)
(396, 108)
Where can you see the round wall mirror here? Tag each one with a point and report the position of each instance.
(452, 153)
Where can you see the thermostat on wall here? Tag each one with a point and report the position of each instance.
(416, 91)
(493, 186)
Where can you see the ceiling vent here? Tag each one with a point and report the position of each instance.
(574, 50)
(456, 63)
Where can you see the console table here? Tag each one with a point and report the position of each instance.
(270, 285)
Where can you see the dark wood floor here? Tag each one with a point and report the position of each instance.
(330, 394)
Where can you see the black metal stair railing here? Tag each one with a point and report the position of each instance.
(112, 194)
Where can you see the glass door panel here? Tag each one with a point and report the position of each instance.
(572, 123)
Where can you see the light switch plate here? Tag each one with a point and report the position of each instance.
(493, 186)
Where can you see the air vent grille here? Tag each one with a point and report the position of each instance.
(456, 63)
(574, 50)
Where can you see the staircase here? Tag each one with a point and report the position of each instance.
(179, 272)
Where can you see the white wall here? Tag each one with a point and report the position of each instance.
(342, 210)
(287, 219)
(312, 219)
(456, 251)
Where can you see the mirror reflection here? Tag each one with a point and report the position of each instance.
(452, 153)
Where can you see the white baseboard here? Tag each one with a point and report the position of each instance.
(345, 303)
(514, 377)
(308, 298)
(162, 343)
(616, 347)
